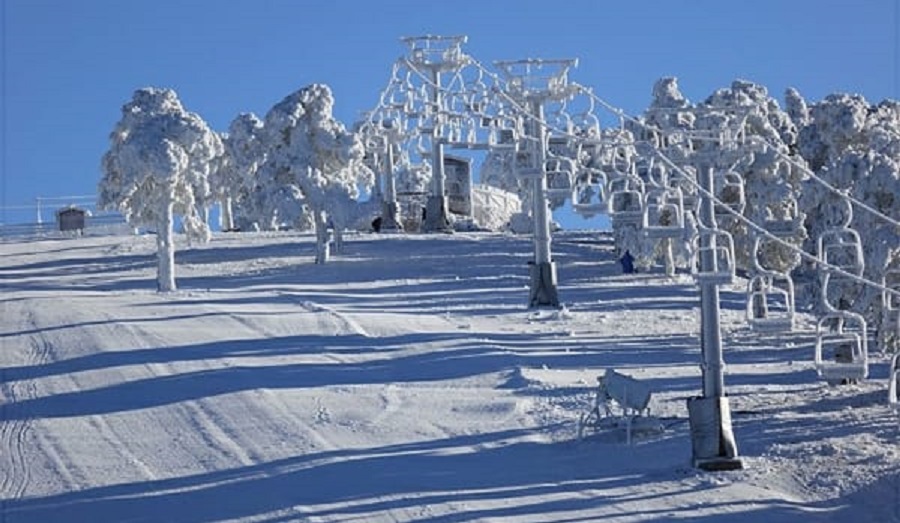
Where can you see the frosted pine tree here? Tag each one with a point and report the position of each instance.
(159, 153)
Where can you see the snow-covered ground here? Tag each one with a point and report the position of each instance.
(403, 381)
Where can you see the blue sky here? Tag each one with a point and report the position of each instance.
(69, 65)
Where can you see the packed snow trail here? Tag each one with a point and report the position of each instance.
(403, 381)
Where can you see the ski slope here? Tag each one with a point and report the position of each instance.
(403, 381)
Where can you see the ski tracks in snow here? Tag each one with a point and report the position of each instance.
(15, 473)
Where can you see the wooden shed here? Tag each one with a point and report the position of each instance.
(71, 219)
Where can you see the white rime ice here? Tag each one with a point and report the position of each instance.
(156, 167)
(312, 161)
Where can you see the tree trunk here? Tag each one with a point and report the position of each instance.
(322, 244)
(226, 218)
(338, 222)
(165, 251)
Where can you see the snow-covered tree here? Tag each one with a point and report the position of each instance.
(855, 147)
(159, 154)
(312, 161)
(244, 153)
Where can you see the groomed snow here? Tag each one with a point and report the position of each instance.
(403, 381)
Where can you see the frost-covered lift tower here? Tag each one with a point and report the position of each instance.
(437, 55)
(533, 83)
(713, 443)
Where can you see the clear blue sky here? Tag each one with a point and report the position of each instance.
(69, 65)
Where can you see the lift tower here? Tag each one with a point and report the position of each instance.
(437, 55)
(532, 83)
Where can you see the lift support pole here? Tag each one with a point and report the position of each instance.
(713, 443)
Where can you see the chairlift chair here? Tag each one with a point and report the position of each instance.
(770, 303)
(503, 133)
(622, 163)
(770, 296)
(589, 196)
(789, 226)
(729, 190)
(588, 125)
(626, 201)
(720, 246)
(841, 247)
(663, 214)
(841, 351)
(560, 175)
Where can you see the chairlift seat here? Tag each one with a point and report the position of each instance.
(841, 247)
(783, 229)
(849, 335)
(837, 372)
(590, 209)
(722, 250)
(626, 208)
(777, 303)
(653, 214)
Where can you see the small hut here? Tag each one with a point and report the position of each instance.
(71, 219)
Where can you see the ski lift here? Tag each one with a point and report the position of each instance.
(770, 297)
(841, 347)
(689, 198)
(560, 120)
(729, 191)
(560, 174)
(894, 383)
(626, 201)
(503, 133)
(655, 173)
(663, 214)
(719, 246)
(788, 226)
(589, 194)
(586, 123)
(841, 248)
(622, 161)
(770, 303)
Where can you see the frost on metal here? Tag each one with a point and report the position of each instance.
(156, 167)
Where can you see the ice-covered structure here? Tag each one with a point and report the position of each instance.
(312, 161)
(159, 156)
